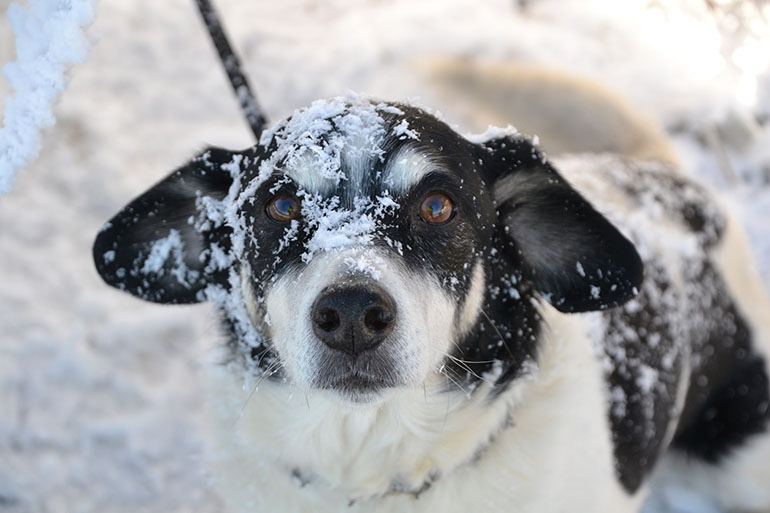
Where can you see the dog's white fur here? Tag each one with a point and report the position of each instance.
(543, 446)
(406, 168)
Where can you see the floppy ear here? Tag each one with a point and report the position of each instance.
(160, 247)
(570, 253)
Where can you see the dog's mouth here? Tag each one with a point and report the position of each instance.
(356, 384)
(359, 383)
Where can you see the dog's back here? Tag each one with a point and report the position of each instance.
(569, 114)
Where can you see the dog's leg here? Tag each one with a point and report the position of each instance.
(739, 481)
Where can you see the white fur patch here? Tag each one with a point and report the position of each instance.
(406, 168)
(474, 300)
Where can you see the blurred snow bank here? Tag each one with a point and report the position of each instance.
(49, 39)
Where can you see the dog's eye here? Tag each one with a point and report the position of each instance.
(283, 209)
(436, 208)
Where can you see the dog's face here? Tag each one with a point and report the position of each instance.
(364, 246)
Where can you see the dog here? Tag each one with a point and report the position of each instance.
(417, 321)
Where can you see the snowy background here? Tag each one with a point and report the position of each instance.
(99, 399)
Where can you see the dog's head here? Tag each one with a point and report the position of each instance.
(366, 246)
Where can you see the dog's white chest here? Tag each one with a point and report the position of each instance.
(541, 448)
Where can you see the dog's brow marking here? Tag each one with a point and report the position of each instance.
(406, 168)
(303, 169)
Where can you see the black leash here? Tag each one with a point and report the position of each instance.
(232, 65)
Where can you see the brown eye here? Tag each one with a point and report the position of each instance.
(283, 209)
(436, 208)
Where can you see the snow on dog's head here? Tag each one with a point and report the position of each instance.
(363, 246)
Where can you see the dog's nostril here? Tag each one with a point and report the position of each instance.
(377, 319)
(327, 319)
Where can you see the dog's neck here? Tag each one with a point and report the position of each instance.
(400, 445)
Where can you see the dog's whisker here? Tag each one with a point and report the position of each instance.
(245, 403)
(465, 366)
(446, 372)
(500, 335)
(271, 369)
(264, 352)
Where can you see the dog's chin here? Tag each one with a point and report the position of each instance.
(359, 388)
(356, 386)
(366, 378)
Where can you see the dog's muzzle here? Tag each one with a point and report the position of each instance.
(353, 317)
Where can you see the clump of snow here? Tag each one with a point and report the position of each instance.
(169, 249)
(319, 134)
(334, 227)
(403, 131)
(49, 39)
(491, 133)
(215, 213)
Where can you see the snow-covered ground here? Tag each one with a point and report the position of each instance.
(99, 400)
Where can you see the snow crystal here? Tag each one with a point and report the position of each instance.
(619, 401)
(647, 378)
(169, 247)
(365, 263)
(49, 39)
(390, 109)
(109, 256)
(491, 133)
(403, 131)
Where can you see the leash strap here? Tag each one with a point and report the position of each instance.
(232, 65)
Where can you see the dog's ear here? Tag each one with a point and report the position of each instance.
(570, 253)
(161, 247)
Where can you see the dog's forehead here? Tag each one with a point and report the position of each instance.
(355, 147)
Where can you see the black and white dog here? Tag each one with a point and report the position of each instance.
(429, 322)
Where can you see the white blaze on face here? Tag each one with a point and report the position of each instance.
(425, 321)
(406, 168)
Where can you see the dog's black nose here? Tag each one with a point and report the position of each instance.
(353, 317)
